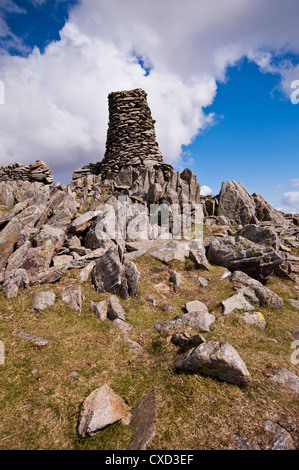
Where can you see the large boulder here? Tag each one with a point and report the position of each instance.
(260, 235)
(216, 359)
(239, 254)
(114, 274)
(236, 203)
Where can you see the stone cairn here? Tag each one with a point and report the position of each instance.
(131, 137)
(37, 172)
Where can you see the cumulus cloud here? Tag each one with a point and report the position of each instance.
(290, 202)
(206, 191)
(56, 102)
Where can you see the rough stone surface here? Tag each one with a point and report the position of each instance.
(13, 280)
(101, 408)
(280, 438)
(200, 321)
(235, 302)
(114, 274)
(200, 259)
(72, 295)
(265, 295)
(143, 422)
(255, 318)
(240, 254)
(38, 171)
(216, 359)
(99, 309)
(244, 444)
(114, 309)
(236, 203)
(43, 300)
(287, 378)
(196, 305)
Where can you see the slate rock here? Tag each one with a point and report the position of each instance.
(216, 359)
(143, 422)
(72, 295)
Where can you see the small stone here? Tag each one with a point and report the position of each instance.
(73, 297)
(43, 300)
(73, 375)
(181, 339)
(135, 347)
(287, 378)
(37, 340)
(196, 306)
(235, 302)
(123, 326)
(255, 318)
(114, 309)
(152, 300)
(99, 309)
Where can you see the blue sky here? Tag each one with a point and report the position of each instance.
(218, 81)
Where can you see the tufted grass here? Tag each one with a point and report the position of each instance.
(40, 403)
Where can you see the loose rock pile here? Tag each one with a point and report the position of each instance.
(38, 171)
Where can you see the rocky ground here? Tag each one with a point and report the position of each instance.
(118, 344)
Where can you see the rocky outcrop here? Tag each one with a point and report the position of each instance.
(240, 254)
(236, 203)
(38, 172)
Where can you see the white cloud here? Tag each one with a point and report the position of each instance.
(206, 191)
(57, 102)
(290, 202)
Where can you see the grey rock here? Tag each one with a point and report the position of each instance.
(244, 444)
(255, 318)
(280, 438)
(122, 326)
(235, 302)
(216, 359)
(43, 300)
(175, 278)
(196, 305)
(236, 203)
(181, 339)
(152, 300)
(99, 309)
(239, 254)
(13, 281)
(200, 259)
(72, 295)
(114, 309)
(260, 235)
(112, 274)
(200, 321)
(101, 408)
(265, 295)
(287, 378)
(294, 303)
(37, 340)
(143, 422)
(135, 347)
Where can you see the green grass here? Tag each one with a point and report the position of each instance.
(40, 403)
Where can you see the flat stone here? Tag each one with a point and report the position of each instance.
(37, 340)
(143, 422)
(200, 321)
(196, 306)
(235, 302)
(114, 309)
(99, 309)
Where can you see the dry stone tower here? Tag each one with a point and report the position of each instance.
(131, 137)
